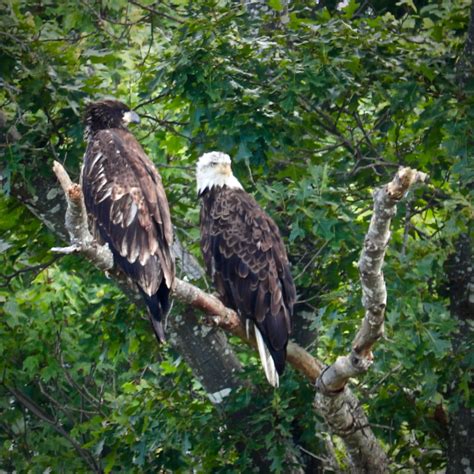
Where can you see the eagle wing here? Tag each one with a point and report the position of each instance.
(127, 204)
(245, 255)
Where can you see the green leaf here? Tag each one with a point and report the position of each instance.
(276, 5)
(31, 363)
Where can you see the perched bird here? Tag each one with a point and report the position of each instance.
(246, 259)
(127, 204)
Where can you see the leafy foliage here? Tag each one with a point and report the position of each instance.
(316, 111)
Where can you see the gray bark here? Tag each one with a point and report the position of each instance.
(374, 292)
(460, 274)
(346, 418)
(465, 66)
(217, 367)
(333, 398)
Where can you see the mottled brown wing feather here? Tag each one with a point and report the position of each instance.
(127, 203)
(245, 255)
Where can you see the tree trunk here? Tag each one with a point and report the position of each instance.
(464, 68)
(460, 271)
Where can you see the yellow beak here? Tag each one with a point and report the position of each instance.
(225, 169)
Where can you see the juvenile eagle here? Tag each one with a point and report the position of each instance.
(127, 204)
(246, 258)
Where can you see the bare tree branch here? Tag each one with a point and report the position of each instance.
(34, 268)
(333, 398)
(228, 320)
(374, 293)
(156, 12)
(76, 223)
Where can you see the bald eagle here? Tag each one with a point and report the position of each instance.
(246, 259)
(127, 205)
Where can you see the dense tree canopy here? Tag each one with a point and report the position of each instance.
(317, 105)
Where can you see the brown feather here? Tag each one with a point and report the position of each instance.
(245, 255)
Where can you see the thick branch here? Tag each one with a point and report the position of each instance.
(76, 224)
(346, 418)
(333, 398)
(374, 293)
(228, 320)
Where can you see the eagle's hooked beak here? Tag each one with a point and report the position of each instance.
(225, 169)
(130, 117)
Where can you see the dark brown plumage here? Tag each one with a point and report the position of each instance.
(127, 204)
(246, 258)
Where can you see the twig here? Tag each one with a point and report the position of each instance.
(407, 227)
(168, 125)
(156, 12)
(153, 99)
(34, 268)
(327, 124)
(28, 403)
(311, 260)
(364, 132)
(309, 453)
(81, 390)
(164, 121)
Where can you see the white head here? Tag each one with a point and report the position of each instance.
(214, 169)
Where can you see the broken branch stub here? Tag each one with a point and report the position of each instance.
(77, 226)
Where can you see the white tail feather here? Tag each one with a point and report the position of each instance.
(267, 360)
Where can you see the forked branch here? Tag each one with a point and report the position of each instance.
(333, 400)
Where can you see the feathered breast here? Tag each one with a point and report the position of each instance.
(245, 255)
